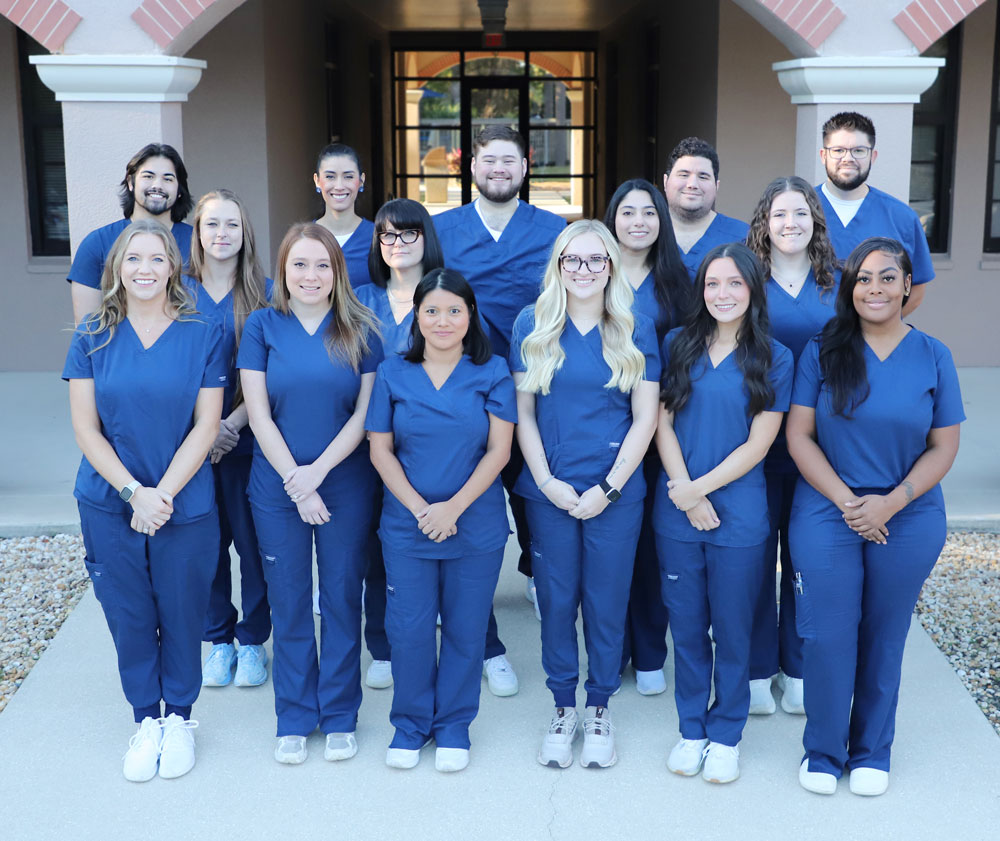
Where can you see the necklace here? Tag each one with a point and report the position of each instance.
(399, 300)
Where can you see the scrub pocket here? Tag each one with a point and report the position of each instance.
(104, 587)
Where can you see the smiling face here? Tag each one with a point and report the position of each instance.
(847, 173)
(637, 224)
(154, 185)
(402, 255)
(443, 319)
(145, 268)
(727, 294)
(220, 229)
(691, 188)
(880, 288)
(309, 273)
(790, 223)
(339, 181)
(584, 283)
(498, 170)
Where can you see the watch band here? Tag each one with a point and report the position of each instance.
(127, 492)
(613, 494)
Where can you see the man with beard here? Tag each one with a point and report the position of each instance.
(691, 184)
(855, 211)
(154, 187)
(501, 245)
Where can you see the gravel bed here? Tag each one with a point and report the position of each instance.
(42, 579)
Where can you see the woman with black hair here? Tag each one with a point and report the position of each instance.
(340, 179)
(873, 428)
(639, 218)
(441, 420)
(725, 388)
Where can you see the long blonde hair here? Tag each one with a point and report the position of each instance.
(114, 299)
(353, 325)
(541, 352)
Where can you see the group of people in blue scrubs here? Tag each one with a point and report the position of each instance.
(627, 383)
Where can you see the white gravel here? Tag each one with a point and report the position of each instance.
(42, 579)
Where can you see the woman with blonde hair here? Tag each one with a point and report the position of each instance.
(586, 371)
(307, 365)
(227, 281)
(146, 376)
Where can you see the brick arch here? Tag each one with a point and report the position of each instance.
(176, 25)
(924, 21)
(49, 22)
(812, 20)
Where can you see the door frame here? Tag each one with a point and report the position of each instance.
(470, 83)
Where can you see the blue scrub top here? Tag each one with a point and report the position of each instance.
(582, 424)
(93, 251)
(223, 313)
(439, 437)
(645, 301)
(506, 274)
(722, 231)
(712, 424)
(881, 215)
(794, 321)
(312, 395)
(915, 389)
(145, 399)
(356, 251)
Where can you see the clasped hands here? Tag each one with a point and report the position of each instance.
(686, 497)
(867, 516)
(582, 506)
(151, 509)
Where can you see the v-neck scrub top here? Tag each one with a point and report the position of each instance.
(312, 395)
(506, 274)
(145, 399)
(583, 424)
(644, 300)
(439, 437)
(913, 390)
(92, 253)
(712, 424)
(722, 230)
(356, 251)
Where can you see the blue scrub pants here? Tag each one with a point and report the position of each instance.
(776, 642)
(437, 695)
(588, 563)
(703, 586)
(154, 592)
(647, 617)
(508, 476)
(310, 694)
(854, 611)
(232, 475)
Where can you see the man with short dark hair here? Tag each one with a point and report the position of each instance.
(691, 184)
(855, 211)
(154, 187)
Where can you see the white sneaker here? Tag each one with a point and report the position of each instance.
(650, 683)
(793, 694)
(761, 699)
(500, 676)
(177, 747)
(557, 746)
(722, 763)
(818, 782)
(402, 758)
(869, 782)
(143, 754)
(339, 746)
(379, 674)
(529, 589)
(291, 750)
(316, 601)
(687, 756)
(451, 759)
(598, 739)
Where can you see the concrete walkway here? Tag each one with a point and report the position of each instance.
(63, 733)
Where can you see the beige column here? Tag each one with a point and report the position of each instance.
(577, 158)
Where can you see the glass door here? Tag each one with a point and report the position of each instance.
(490, 102)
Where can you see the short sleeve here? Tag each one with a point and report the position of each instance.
(379, 417)
(923, 265)
(781, 376)
(808, 380)
(217, 366)
(948, 409)
(252, 355)
(501, 402)
(79, 365)
(645, 340)
(88, 265)
(523, 325)
(375, 355)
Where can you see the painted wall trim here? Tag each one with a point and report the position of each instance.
(856, 80)
(119, 78)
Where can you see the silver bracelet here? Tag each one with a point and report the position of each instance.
(551, 477)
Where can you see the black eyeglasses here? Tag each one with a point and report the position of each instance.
(595, 262)
(859, 153)
(389, 237)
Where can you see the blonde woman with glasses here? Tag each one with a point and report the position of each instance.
(587, 373)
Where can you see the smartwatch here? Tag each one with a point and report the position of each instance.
(127, 492)
(613, 494)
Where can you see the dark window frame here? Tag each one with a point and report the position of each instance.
(991, 244)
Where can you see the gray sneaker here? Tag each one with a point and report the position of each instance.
(557, 746)
(598, 739)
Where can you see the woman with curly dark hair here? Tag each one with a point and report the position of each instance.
(788, 235)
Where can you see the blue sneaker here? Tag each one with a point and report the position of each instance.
(250, 663)
(218, 668)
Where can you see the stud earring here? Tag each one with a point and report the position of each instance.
(318, 190)
(361, 189)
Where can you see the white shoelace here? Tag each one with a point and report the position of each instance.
(562, 724)
(598, 725)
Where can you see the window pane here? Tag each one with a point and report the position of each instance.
(560, 194)
(426, 63)
(494, 64)
(436, 102)
(556, 103)
(921, 185)
(995, 220)
(428, 163)
(560, 152)
(562, 64)
(925, 142)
